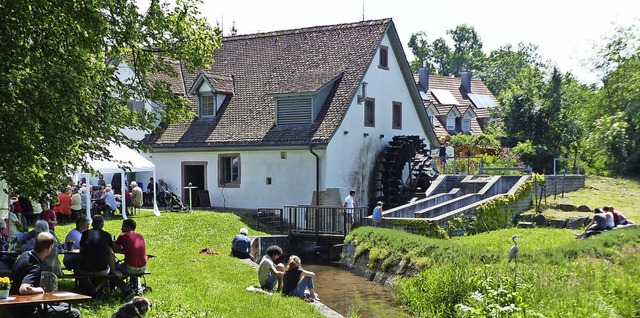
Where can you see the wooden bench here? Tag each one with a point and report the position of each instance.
(126, 276)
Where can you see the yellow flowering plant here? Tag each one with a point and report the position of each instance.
(4, 283)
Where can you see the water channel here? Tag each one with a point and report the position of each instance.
(348, 293)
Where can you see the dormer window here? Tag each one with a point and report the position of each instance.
(466, 125)
(451, 122)
(384, 57)
(207, 105)
(212, 91)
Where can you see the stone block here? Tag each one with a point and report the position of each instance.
(575, 223)
(540, 220)
(566, 207)
(558, 224)
(584, 208)
(525, 225)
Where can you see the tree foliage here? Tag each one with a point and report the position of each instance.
(60, 98)
(549, 113)
(466, 53)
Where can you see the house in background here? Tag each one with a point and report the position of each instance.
(455, 104)
(284, 115)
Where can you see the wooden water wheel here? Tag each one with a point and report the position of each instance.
(403, 168)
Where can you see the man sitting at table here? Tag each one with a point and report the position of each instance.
(72, 242)
(26, 275)
(131, 244)
(96, 256)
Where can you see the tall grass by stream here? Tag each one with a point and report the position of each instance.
(555, 275)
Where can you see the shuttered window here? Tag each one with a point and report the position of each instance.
(293, 111)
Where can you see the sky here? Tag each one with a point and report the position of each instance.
(565, 30)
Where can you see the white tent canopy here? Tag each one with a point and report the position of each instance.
(124, 159)
(133, 161)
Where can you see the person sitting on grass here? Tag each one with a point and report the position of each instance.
(618, 218)
(297, 280)
(240, 245)
(26, 276)
(597, 225)
(270, 274)
(610, 220)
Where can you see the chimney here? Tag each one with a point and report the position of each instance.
(465, 78)
(423, 76)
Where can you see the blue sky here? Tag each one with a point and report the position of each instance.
(565, 30)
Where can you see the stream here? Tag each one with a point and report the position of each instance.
(348, 293)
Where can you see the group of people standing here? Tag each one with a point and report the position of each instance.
(604, 219)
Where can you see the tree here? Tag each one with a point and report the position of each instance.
(504, 64)
(611, 120)
(443, 60)
(60, 98)
(420, 48)
(467, 49)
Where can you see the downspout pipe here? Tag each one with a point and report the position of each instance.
(317, 174)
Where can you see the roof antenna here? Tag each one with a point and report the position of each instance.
(362, 10)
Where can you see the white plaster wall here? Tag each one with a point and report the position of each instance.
(352, 156)
(125, 75)
(292, 179)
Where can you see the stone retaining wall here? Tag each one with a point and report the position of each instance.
(359, 267)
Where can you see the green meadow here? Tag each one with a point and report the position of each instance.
(188, 284)
(554, 274)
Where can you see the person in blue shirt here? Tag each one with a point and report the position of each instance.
(240, 245)
(377, 214)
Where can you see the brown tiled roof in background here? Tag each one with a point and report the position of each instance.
(267, 63)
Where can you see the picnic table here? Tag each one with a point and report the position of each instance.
(42, 300)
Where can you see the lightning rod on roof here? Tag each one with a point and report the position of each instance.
(362, 10)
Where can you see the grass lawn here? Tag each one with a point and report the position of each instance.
(188, 284)
(622, 194)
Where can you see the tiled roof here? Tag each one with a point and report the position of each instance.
(453, 84)
(175, 82)
(306, 82)
(290, 61)
(220, 83)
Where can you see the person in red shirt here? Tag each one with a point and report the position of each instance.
(132, 245)
(49, 216)
(64, 203)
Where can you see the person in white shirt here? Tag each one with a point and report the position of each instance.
(348, 209)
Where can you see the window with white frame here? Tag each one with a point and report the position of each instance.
(229, 170)
(207, 105)
(466, 125)
(451, 122)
